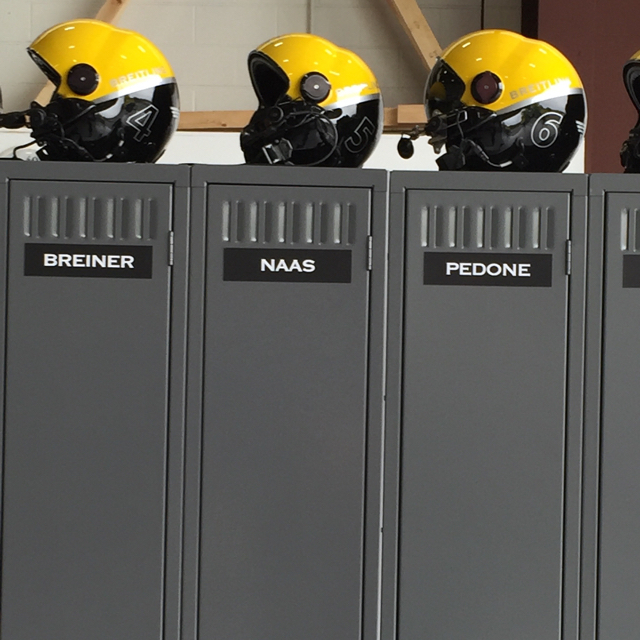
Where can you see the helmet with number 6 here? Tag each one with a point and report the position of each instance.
(499, 101)
(115, 98)
(319, 104)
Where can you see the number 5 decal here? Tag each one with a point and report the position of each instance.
(359, 139)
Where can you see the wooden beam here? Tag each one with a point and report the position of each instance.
(109, 12)
(396, 119)
(403, 118)
(214, 120)
(417, 28)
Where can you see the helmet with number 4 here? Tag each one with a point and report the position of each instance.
(499, 101)
(319, 104)
(115, 98)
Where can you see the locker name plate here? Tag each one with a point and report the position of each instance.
(88, 260)
(488, 269)
(287, 265)
(630, 272)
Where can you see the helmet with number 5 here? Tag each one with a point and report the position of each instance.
(115, 98)
(499, 101)
(319, 104)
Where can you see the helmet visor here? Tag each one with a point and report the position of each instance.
(632, 81)
(444, 90)
(269, 81)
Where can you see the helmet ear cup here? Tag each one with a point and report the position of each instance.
(315, 87)
(275, 115)
(82, 79)
(486, 87)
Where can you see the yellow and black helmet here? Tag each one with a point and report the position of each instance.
(630, 152)
(319, 104)
(115, 99)
(499, 101)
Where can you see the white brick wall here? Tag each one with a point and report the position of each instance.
(207, 41)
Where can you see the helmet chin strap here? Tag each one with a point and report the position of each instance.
(630, 152)
(47, 129)
(272, 133)
(438, 129)
(459, 155)
(20, 119)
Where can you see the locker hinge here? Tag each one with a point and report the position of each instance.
(369, 253)
(568, 258)
(170, 257)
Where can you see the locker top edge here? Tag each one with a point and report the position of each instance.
(576, 183)
(203, 175)
(178, 175)
(600, 183)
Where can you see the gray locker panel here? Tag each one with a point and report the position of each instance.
(86, 416)
(285, 421)
(484, 535)
(618, 586)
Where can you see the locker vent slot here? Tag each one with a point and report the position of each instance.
(288, 223)
(91, 219)
(630, 230)
(492, 228)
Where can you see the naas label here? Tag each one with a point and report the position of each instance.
(287, 265)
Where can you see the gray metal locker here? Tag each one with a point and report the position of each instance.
(92, 393)
(484, 406)
(285, 428)
(612, 437)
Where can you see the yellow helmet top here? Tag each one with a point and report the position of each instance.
(631, 76)
(526, 69)
(282, 65)
(96, 61)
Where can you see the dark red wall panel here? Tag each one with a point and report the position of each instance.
(598, 36)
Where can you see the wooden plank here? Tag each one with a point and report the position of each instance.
(411, 114)
(396, 119)
(109, 12)
(214, 120)
(417, 28)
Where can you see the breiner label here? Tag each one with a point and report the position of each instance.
(92, 261)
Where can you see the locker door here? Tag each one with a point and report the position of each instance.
(483, 415)
(285, 421)
(619, 564)
(85, 440)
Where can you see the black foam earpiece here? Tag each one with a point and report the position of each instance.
(486, 87)
(82, 79)
(314, 87)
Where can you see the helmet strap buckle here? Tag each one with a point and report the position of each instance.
(278, 152)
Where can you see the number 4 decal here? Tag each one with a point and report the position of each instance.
(142, 121)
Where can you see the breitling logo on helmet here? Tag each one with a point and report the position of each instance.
(141, 74)
(539, 87)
